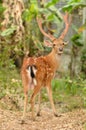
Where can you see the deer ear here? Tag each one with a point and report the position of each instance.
(65, 43)
(48, 43)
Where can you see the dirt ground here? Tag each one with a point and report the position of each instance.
(74, 120)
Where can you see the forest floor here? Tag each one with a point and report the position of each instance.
(73, 120)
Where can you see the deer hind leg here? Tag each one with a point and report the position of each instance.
(36, 90)
(39, 103)
(49, 90)
(26, 89)
(25, 105)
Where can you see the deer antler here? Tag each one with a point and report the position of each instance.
(50, 36)
(67, 21)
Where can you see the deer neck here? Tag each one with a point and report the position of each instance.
(54, 59)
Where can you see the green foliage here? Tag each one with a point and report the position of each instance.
(1, 9)
(77, 40)
(32, 11)
(4, 57)
(85, 126)
(54, 13)
(52, 2)
(70, 93)
(83, 27)
(73, 4)
(8, 31)
(10, 88)
(48, 9)
(84, 55)
(7, 84)
(83, 59)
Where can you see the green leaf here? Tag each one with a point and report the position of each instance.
(75, 1)
(26, 14)
(77, 40)
(53, 18)
(75, 28)
(54, 11)
(72, 6)
(34, 6)
(34, 2)
(51, 3)
(67, 8)
(33, 9)
(1, 8)
(8, 31)
(40, 46)
(50, 17)
(44, 11)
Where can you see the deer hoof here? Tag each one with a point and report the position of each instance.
(57, 115)
(38, 114)
(22, 122)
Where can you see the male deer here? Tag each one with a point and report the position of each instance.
(39, 72)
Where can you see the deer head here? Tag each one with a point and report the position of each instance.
(57, 43)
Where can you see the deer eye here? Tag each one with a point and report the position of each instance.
(63, 43)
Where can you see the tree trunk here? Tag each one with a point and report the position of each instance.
(13, 18)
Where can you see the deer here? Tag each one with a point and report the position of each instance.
(38, 72)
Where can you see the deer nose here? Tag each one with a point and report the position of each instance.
(60, 49)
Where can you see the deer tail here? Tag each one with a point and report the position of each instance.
(31, 69)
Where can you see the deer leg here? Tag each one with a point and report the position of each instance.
(36, 90)
(49, 90)
(26, 89)
(25, 104)
(39, 103)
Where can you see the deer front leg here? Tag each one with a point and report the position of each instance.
(36, 90)
(49, 90)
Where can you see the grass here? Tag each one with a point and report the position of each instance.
(85, 126)
(70, 93)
